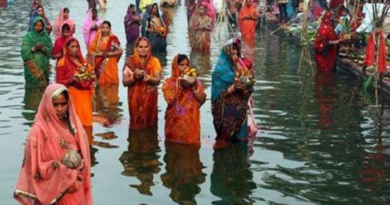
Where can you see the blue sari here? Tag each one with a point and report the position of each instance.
(229, 110)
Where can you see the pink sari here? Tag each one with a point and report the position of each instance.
(211, 11)
(43, 178)
(89, 34)
(59, 22)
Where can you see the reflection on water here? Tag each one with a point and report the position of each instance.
(141, 160)
(312, 148)
(106, 105)
(32, 98)
(231, 178)
(183, 172)
(323, 92)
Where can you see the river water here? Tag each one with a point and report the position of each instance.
(312, 147)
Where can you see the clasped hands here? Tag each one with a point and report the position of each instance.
(39, 47)
(185, 84)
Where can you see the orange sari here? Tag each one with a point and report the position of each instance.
(106, 69)
(43, 179)
(81, 92)
(182, 117)
(247, 26)
(142, 97)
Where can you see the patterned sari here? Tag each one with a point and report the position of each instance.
(106, 69)
(229, 110)
(142, 97)
(81, 92)
(199, 38)
(43, 179)
(157, 39)
(36, 64)
(182, 117)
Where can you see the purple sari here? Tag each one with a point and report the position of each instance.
(132, 27)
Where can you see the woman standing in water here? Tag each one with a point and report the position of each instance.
(184, 98)
(91, 25)
(58, 50)
(41, 13)
(200, 28)
(73, 71)
(63, 18)
(56, 168)
(36, 50)
(132, 24)
(229, 97)
(142, 75)
(325, 53)
(156, 31)
(105, 52)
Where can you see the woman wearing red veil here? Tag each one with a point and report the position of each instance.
(325, 45)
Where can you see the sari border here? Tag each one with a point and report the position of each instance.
(21, 193)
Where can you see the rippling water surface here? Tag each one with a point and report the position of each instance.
(312, 148)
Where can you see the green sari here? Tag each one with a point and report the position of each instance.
(36, 64)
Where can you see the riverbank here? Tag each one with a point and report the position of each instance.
(342, 65)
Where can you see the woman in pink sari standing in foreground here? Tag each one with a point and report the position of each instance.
(56, 168)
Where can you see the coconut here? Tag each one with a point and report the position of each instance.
(71, 159)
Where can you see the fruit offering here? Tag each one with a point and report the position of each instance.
(245, 77)
(82, 73)
(190, 75)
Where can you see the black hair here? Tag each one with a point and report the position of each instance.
(158, 10)
(66, 10)
(65, 27)
(94, 10)
(108, 23)
(43, 23)
(40, 6)
(165, 4)
(64, 92)
(181, 58)
(236, 46)
(70, 41)
(132, 5)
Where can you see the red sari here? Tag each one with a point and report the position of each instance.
(182, 117)
(59, 45)
(81, 92)
(142, 97)
(43, 179)
(325, 55)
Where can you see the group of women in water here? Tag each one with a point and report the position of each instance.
(56, 166)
